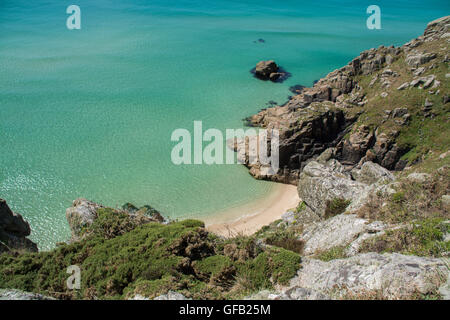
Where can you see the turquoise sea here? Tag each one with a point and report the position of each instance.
(89, 113)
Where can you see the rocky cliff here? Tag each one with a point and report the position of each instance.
(365, 108)
(14, 231)
(368, 148)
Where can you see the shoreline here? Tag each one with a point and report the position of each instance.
(249, 218)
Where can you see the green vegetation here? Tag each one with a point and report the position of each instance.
(300, 207)
(331, 254)
(422, 134)
(412, 201)
(119, 260)
(281, 235)
(421, 238)
(335, 207)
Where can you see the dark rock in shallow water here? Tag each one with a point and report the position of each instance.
(271, 103)
(269, 70)
(260, 40)
(14, 230)
(297, 89)
(263, 69)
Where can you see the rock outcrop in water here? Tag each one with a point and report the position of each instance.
(269, 70)
(14, 231)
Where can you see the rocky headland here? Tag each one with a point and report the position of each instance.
(367, 148)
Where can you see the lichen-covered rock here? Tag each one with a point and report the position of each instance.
(13, 294)
(394, 276)
(319, 184)
(337, 231)
(415, 60)
(345, 230)
(297, 293)
(419, 177)
(371, 173)
(267, 295)
(14, 231)
(305, 216)
(172, 295)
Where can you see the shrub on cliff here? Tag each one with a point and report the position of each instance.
(149, 260)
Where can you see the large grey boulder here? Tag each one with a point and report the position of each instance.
(415, 60)
(297, 293)
(320, 183)
(13, 294)
(394, 276)
(14, 231)
(334, 232)
(419, 177)
(371, 173)
(264, 69)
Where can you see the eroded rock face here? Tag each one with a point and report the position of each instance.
(14, 231)
(394, 276)
(304, 133)
(415, 60)
(337, 231)
(371, 173)
(340, 93)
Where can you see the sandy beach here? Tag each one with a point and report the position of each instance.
(246, 220)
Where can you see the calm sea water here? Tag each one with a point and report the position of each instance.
(90, 113)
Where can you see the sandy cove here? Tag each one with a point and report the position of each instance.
(247, 219)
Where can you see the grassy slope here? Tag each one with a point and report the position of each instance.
(150, 260)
